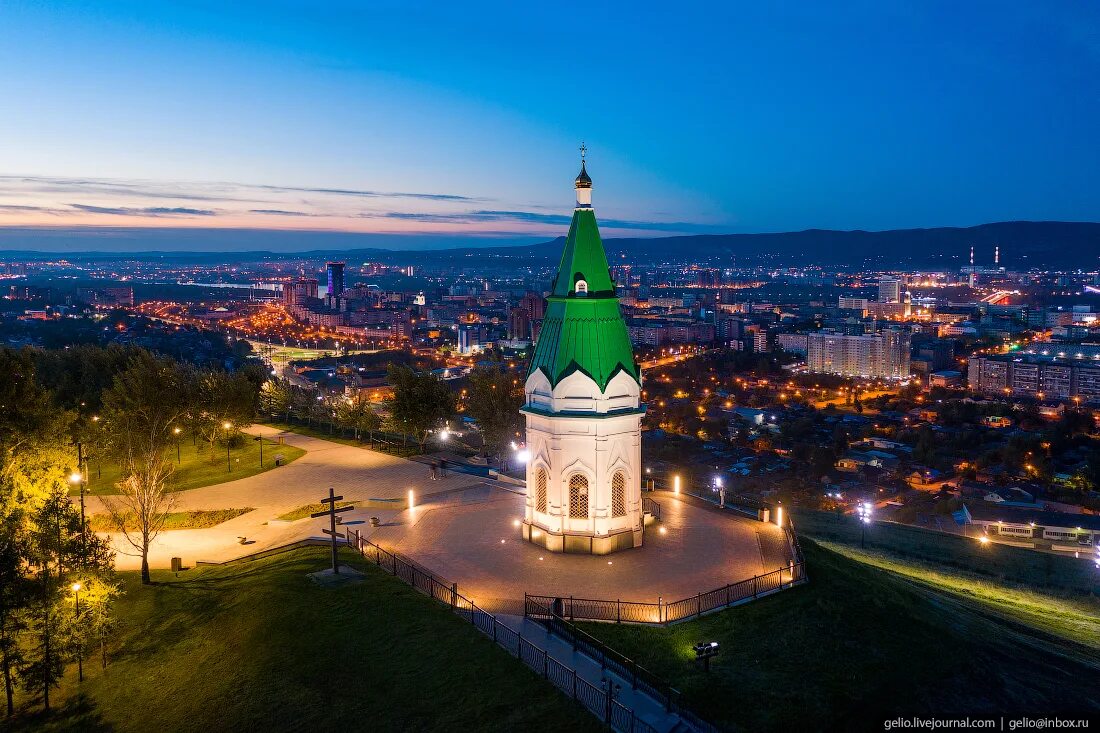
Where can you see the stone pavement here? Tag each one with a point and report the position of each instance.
(355, 472)
(477, 545)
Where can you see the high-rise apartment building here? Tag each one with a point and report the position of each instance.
(1033, 375)
(882, 355)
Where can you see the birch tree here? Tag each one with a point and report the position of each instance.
(141, 408)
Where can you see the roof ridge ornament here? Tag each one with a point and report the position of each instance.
(583, 183)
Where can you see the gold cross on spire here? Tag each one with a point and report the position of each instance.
(584, 150)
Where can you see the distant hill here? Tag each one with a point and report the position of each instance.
(1024, 244)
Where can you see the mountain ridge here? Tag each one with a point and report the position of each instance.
(1023, 245)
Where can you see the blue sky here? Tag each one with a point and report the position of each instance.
(444, 119)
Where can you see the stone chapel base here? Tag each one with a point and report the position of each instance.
(582, 544)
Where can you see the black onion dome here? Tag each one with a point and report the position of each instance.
(583, 181)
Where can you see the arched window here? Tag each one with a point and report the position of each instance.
(581, 287)
(578, 496)
(540, 490)
(618, 494)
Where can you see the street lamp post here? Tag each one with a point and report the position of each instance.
(864, 511)
(228, 465)
(78, 477)
(76, 615)
(176, 432)
(261, 442)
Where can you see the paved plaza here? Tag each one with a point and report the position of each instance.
(356, 473)
(476, 544)
(464, 528)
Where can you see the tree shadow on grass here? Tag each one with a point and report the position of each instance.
(182, 604)
(78, 714)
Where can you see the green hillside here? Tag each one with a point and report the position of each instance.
(863, 642)
(259, 646)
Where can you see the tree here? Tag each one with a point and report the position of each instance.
(35, 457)
(14, 596)
(493, 401)
(302, 404)
(43, 545)
(222, 398)
(140, 409)
(925, 449)
(822, 460)
(1080, 482)
(54, 541)
(421, 401)
(275, 398)
(355, 414)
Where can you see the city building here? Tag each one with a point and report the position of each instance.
(534, 304)
(850, 303)
(1029, 524)
(335, 272)
(882, 355)
(1043, 377)
(793, 343)
(889, 290)
(519, 324)
(121, 297)
(297, 292)
(583, 406)
(470, 337)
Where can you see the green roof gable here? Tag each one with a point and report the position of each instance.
(583, 332)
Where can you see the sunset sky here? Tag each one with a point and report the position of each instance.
(448, 121)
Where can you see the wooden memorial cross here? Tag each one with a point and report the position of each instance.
(332, 511)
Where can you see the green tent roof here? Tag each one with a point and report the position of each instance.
(583, 332)
(583, 259)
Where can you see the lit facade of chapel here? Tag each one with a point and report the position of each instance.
(583, 406)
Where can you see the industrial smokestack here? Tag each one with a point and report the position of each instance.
(971, 255)
(997, 255)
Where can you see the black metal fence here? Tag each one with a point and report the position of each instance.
(652, 507)
(596, 700)
(667, 612)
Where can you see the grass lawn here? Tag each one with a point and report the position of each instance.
(319, 432)
(1065, 615)
(195, 467)
(194, 519)
(859, 644)
(258, 646)
(305, 510)
(395, 444)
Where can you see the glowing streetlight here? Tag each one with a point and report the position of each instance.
(176, 432)
(227, 426)
(77, 477)
(864, 510)
(676, 484)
